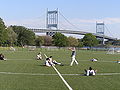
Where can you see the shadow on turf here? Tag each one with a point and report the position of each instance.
(41, 65)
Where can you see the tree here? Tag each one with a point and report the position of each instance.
(12, 36)
(39, 41)
(25, 36)
(115, 42)
(3, 32)
(90, 40)
(72, 41)
(47, 40)
(80, 43)
(60, 40)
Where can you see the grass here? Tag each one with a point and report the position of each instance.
(23, 61)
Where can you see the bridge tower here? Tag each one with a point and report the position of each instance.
(100, 29)
(52, 21)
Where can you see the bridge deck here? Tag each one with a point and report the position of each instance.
(71, 32)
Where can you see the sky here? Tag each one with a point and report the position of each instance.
(83, 14)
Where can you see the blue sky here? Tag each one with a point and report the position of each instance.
(82, 13)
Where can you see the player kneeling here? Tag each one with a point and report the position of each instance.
(90, 72)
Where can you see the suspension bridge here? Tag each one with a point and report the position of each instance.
(52, 22)
(71, 32)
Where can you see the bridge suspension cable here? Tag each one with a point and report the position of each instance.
(69, 21)
(35, 22)
(63, 26)
(109, 31)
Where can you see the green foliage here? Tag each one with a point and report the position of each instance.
(39, 41)
(3, 33)
(60, 40)
(80, 43)
(90, 40)
(25, 36)
(47, 40)
(116, 42)
(72, 41)
(12, 36)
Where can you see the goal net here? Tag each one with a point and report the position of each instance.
(113, 50)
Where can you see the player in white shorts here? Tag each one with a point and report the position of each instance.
(73, 59)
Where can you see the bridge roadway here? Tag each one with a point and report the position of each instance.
(71, 32)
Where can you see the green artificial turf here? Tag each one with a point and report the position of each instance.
(21, 64)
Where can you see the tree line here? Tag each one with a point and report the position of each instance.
(20, 36)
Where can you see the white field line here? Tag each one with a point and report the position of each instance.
(62, 78)
(97, 61)
(79, 61)
(20, 59)
(40, 74)
(31, 74)
(65, 82)
(108, 74)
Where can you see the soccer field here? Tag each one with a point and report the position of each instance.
(21, 71)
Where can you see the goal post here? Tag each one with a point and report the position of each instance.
(113, 50)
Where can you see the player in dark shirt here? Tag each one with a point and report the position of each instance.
(2, 57)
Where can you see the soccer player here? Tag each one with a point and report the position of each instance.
(51, 60)
(12, 48)
(39, 56)
(2, 57)
(118, 61)
(73, 59)
(47, 62)
(90, 72)
(54, 62)
(93, 60)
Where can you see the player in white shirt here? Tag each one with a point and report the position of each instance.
(93, 60)
(90, 72)
(39, 56)
(73, 59)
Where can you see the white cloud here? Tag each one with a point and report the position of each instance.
(112, 20)
(106, 20)
(30, 23)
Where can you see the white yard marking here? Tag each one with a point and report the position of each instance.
(65, 82)
(62, 78)
(40, 74)
(46, 57)
(97, 61)
(31, 74)
(108, 73)
(20, 59)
